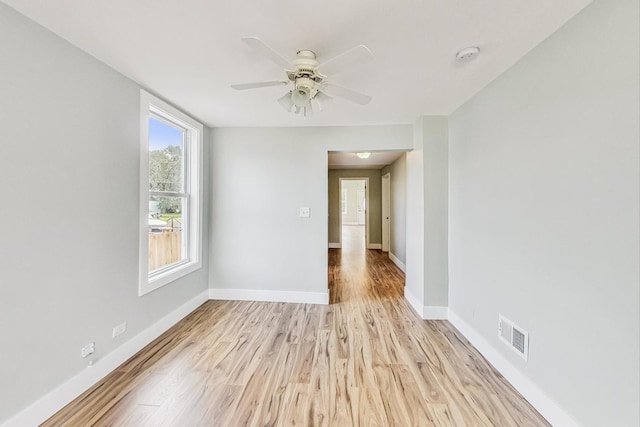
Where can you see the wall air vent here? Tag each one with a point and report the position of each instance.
(514, 336)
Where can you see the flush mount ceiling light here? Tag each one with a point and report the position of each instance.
(363, 155)
(309, 78)
(467, 54)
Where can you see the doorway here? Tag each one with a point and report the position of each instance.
(354, 215)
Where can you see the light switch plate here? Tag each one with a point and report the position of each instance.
(119, 329)
(305, 212)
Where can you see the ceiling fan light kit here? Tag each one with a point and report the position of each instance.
(309, 83)
(286, 101)
(322, 99)
(301, 97)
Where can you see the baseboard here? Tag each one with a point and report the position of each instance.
(374, 246)
(426, 312)
(434, 312)
(414, 302)
(270, 296)
(397, 262)
(543, 403)
(52, 402)
(335, 245)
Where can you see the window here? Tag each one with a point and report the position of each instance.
(170, 193)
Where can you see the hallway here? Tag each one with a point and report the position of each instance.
(408, 371)
(356, 273)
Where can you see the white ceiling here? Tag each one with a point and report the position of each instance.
(189, 51)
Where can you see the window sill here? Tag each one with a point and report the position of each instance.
(160, 280)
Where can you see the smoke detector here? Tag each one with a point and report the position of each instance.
(467, 54)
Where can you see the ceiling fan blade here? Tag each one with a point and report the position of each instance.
(257, 85)
(258, 45)
(355, 56)
(348, 94)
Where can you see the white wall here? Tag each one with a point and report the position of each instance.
(427, 238)
(414, 280)
(69, 143)
(436, 277)
(544, 213)
(260, 177)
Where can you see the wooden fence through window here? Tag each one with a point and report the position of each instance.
(164, 248)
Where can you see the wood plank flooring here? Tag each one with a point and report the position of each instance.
(364, 360)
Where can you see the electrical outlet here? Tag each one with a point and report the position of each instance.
(117, 330)
(88, 349)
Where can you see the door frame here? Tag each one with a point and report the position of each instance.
(366, 206)
(385, 195)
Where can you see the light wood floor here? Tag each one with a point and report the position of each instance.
(364, 360)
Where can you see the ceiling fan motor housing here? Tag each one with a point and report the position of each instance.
(305, 65)
(305, 62)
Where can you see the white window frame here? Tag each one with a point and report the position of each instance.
(192, 226)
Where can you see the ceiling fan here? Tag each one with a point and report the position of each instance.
(309, 77)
